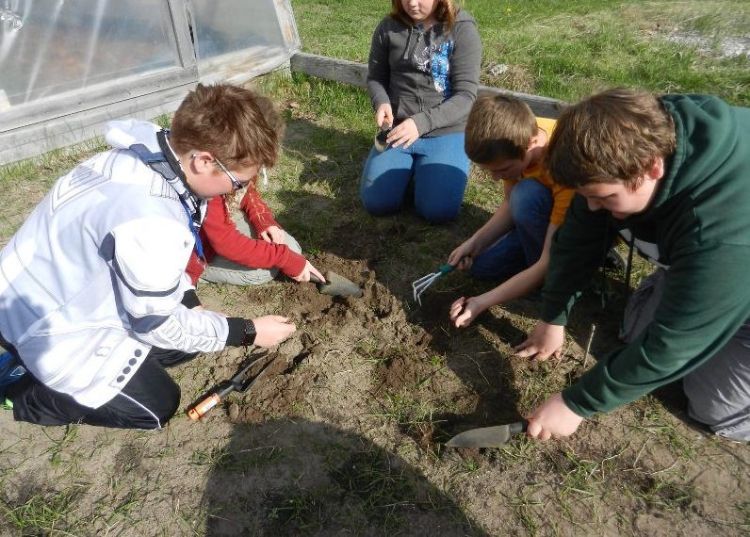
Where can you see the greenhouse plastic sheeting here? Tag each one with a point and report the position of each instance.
(68, 66)
(62, 46)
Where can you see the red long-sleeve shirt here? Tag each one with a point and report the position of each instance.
(221, 237)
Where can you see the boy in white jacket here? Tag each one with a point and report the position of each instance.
(94, 300)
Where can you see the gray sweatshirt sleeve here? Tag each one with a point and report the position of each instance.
(464, 68)
(378, 69)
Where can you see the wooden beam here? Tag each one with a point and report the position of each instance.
(334, 69)
(355, 73)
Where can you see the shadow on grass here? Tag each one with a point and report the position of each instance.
(305, 478)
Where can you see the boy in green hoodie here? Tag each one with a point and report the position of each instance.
(670, 174)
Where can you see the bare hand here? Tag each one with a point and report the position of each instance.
(274, 234)
(271, 330)
(405, 134)
(546, 340)
(553, 419)
(384, 116)
(462, 257)
(306, 273)
(464, 310)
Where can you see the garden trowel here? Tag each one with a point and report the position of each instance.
(337, 285)
(487, 437)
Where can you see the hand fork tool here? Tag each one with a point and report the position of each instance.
(420, 285)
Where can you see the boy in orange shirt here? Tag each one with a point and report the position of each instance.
(504, 138)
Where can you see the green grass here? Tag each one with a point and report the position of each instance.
(241, 461)
(568, 49)
(44, 512)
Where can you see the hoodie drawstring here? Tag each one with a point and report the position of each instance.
(408, 42)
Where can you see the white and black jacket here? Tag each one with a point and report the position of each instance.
(95, 276)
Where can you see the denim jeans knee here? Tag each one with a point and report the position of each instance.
(531, 206)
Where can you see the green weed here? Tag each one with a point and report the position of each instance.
(667, 495)
(525, 505)
(291, 510)
(244, 460)
(406, 410)
(43, 513)
(383, 489)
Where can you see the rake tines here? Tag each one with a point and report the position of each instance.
(420, 285)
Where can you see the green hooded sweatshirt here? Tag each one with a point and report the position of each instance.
(700, 221)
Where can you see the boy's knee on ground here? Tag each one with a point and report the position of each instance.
(158, 412)
(527, 199)
(171, 404)
(718, 391)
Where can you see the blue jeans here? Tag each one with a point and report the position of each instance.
(439, 168)
(521, 247)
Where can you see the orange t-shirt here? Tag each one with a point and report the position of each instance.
(561, 196)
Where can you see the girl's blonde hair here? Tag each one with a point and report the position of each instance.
(445, 13)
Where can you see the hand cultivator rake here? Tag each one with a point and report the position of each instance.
(420, 285)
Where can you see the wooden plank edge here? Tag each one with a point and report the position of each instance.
(355, 73)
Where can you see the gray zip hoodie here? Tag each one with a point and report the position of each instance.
(430, 76)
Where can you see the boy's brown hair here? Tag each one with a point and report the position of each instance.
(236, 125)
(610, 137)
(445, 12)
(499, 127)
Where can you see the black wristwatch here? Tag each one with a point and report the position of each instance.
(241, 332)
(250, 332)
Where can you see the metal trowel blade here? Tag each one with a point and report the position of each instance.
(337, 285)
(486, 437)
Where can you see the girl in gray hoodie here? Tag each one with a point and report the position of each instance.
(422, 80)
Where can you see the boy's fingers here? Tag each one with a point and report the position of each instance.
(533, 428)
(455, 259)
(543, 355)
(458, 303)
(464, 319)
(521, 346)
(524, 351)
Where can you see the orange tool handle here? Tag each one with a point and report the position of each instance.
(200, 409)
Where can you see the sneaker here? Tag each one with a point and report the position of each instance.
(11, 371)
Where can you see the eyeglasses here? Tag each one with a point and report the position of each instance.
(236, 184)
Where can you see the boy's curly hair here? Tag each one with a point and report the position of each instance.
(500, 126)
(234, 124)
(610, 137)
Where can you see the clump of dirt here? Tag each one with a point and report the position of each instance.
(375, 325)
